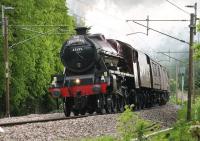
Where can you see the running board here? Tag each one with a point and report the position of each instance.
(121, 73)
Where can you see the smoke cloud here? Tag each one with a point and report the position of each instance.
(108, 17)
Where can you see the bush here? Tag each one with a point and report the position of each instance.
(195, 131)
(183, 130)
(131, 126)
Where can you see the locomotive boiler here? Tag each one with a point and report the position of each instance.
(103, 75)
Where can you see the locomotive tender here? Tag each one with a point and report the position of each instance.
(104, 75)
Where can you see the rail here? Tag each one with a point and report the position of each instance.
(40, 120)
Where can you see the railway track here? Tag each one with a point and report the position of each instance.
(55, 126)
(41, 120)
(8, 124)
(13, 123)
(152, 127)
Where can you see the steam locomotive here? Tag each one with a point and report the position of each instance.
(103, 75)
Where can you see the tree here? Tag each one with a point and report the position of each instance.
(33, 62)
(197, 46)
(197, 51)
(197, 63)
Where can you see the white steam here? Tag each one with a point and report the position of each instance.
(109, 18)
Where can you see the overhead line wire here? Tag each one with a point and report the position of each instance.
(177, 7)
(38, 25)
(35, 36)
(160, 32)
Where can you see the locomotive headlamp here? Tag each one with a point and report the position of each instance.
(77, 81)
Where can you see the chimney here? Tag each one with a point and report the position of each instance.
(81, 30)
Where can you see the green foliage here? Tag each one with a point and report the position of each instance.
(103, 138)
(179, 133)
(196, 110)
(182, 127)
(183, 130)
(131, 126)
(172, 86)
(195, 131)
(182, 113)
(196, 47)
(172, 99)
(197, 77)
(33, 62)
(126, 124)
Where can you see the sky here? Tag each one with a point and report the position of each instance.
(109, 17)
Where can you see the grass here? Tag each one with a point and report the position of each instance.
(103, 138)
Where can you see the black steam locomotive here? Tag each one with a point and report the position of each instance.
(103, 75)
